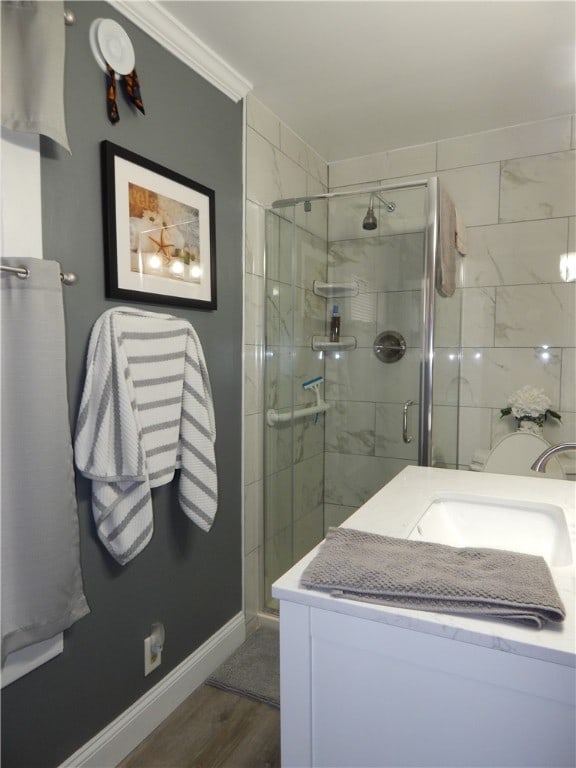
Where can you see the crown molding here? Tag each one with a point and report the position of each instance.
(180, 42)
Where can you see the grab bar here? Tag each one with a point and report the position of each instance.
(68, 278)
(273, 417)
(405, 436)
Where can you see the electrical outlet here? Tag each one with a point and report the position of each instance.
(152, 657)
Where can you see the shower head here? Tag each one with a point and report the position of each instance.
(370, 221)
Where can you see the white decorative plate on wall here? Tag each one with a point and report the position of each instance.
(111, 45)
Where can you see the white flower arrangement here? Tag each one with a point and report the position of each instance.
(529, 404)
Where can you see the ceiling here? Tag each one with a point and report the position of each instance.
(353, 78)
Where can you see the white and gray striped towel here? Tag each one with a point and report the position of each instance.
(146, 411)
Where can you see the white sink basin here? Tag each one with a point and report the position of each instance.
(476, 521)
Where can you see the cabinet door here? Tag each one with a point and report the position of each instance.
(387, 696)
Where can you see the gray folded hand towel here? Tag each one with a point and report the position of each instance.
(435, 577)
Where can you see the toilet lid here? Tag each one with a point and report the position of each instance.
(515, 454)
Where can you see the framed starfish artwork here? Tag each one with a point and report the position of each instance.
(159, 233)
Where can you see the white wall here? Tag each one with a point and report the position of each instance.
(21, 200)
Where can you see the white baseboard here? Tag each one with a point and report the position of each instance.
(123, 734)
(268, 620)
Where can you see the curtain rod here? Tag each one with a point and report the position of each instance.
(68, 278)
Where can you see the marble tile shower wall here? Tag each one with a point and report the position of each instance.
(515, 188)
(279, 165)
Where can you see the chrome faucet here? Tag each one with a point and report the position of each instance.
(540, 463)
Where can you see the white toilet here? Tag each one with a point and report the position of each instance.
(515, 454)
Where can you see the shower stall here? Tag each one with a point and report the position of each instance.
(344, 416)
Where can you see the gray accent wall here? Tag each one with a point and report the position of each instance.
(189, 580)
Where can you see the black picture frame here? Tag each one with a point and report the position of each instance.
(159, 232)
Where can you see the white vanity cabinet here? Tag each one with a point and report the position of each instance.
(368, 685)
(360, 693)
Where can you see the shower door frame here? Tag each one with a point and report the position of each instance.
(428, 293)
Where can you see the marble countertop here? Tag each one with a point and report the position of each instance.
(394, 511)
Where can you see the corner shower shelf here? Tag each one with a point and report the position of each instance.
(323, 343)
(334, 290)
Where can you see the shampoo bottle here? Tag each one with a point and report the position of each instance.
(335, 324)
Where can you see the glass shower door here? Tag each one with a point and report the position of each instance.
(293, 446)
(399, 340)
(446, 379)
(372, 428)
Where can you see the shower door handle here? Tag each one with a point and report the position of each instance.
(407, 438)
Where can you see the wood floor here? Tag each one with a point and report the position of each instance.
(212, 728)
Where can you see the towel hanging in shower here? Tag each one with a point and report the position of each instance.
(451, 241)
(42, 592)
(146, 411)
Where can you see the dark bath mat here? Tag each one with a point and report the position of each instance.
(254, 669)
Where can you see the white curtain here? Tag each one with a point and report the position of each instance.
(42, 590)
(33, 54)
